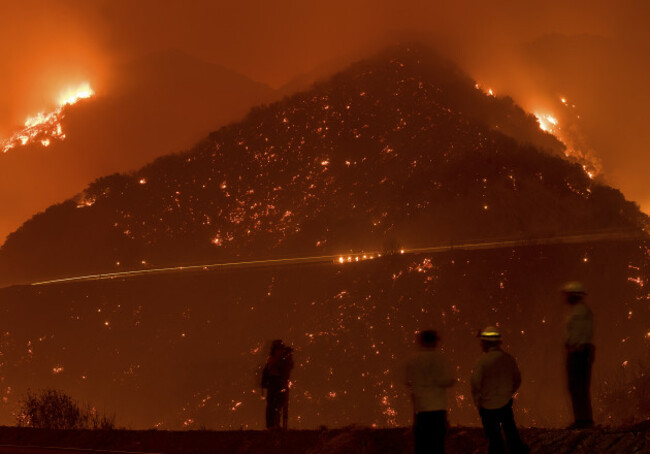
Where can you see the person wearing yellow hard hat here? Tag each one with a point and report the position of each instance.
(579, 354)
(495, 379)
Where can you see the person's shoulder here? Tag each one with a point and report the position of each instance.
(484, 359)
(510, 357)
(434, 354)
(424, 356)
(413, 358)
(498, 356)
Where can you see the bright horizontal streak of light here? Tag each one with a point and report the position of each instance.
(620, 235)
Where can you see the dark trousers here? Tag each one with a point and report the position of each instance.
(493, 421)
(578, 367)
(276, 401)
(429, 431)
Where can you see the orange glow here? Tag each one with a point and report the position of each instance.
(45, 126)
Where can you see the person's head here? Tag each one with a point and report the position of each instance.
(428, 338)
(574, 292)
(277, 347)
(490, 338)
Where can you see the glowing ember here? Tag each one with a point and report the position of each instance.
(43, 127)
(590, 173)
(488, 92)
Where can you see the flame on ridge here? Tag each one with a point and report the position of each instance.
(547, 123)
(45, 126)
(71, 96)
(550, 124)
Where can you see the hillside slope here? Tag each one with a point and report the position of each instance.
(402, 146)
(152, 106)
(183, 350)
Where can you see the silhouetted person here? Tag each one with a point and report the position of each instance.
(428, 376)
(579, 354)
(495, 379)
(275, 379)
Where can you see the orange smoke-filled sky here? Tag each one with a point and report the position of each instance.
(46, 45)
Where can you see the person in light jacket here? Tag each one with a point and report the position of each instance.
(428, 376)
(495, 379)
(579, 354)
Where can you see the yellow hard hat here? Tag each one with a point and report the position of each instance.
(491, 333)
(574, 287)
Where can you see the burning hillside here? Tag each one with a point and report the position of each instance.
(402, 146)
(46, 126)
(398, 150)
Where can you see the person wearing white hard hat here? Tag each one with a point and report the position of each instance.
(579, 354)
(495, 379)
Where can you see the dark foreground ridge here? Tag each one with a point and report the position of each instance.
(354, 439)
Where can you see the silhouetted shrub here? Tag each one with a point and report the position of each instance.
(53, 409)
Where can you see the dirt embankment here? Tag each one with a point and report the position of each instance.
(341, 441)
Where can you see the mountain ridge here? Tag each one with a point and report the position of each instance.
(400, 145)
